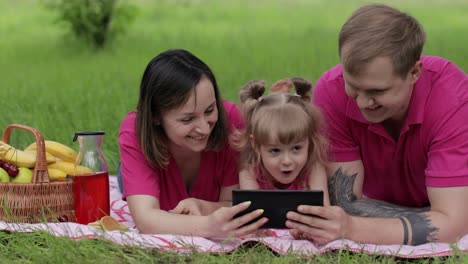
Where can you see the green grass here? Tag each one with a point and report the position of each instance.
(40, 247)
(52, 83)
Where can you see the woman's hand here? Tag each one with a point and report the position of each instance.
(321, 224)
(194, 206)
(221, 223)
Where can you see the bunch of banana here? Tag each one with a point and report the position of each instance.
(61, 159)
(56, 174)
(69, 168)
(20, 158)
(64, 165)
(57, 149)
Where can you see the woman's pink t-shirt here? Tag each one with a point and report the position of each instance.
(217, 169)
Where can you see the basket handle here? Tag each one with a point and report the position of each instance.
(40, 173)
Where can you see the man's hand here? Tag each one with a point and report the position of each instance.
(318, 223)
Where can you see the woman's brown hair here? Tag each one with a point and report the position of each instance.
(167, 83)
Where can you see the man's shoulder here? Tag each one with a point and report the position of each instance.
(446, 88)
(447, 82)
(333, 74)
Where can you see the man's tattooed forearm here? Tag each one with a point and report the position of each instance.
(340, 188)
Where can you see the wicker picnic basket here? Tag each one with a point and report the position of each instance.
(41, 200)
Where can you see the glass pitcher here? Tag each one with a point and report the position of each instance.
(91, 185)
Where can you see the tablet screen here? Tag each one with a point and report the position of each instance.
(276, 203)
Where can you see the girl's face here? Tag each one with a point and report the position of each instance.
(284, 162)
(189, 126)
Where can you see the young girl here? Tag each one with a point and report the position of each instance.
(282, 146)
(175, 154)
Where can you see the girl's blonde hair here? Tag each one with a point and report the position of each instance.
(280, 117)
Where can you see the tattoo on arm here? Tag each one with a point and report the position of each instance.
(340, 189)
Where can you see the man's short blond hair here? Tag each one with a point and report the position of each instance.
(377, 30)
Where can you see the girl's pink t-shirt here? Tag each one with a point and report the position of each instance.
(218, 168)
(265, 184)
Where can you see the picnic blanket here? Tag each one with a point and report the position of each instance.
(279, 240)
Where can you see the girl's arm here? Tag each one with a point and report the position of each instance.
(318, 180)
(149, 219)
(248, 179)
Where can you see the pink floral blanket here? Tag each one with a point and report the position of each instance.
(279, 240)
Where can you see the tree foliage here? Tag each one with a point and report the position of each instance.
(95, 21)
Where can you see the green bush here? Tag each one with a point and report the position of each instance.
(94, 21)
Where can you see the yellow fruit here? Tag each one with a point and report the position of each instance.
(57, 149)
(49, 157)
(70, 168)
(108, 223)
(17, 157)
(56, 174)
(96, 223)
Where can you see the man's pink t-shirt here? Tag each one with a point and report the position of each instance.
(432, 149)
(218, 168)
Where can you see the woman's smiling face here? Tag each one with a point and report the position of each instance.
(189, 127)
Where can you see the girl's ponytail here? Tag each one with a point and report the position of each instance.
(303, 88)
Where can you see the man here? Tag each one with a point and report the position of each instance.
(398, 130)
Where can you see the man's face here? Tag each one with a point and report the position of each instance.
(379, 93)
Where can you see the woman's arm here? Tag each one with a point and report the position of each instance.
(149, 219)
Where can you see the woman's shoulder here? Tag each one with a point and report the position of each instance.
(128, 123)
(230, 107)
(233, 114)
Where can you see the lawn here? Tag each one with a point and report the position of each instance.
(59, 86)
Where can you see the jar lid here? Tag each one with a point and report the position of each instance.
(87, 133)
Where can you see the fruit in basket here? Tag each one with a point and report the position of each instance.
(57, 149)
(25, 175)
(70, 168)
(56, 174)
(10, 168)
(4, 177)
(49, 157)
(17, 157)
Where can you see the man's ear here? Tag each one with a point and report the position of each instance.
(415, 71)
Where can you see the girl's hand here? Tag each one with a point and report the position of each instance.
(221, 223)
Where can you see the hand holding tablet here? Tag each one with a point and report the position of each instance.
(276, 203)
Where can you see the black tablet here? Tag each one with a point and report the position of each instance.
(276, 203)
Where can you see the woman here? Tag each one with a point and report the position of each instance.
(177, 168)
